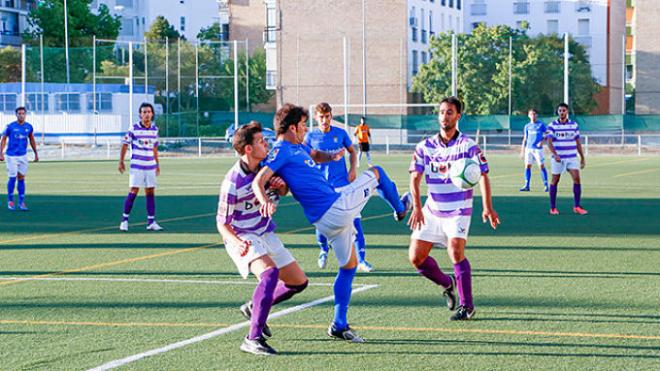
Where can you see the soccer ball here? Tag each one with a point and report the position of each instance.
(464, 173)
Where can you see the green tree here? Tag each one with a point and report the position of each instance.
(161, 29)
(483, 72)
(212, 32)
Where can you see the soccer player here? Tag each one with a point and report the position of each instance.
(331, 212)
(17, 135)
(250, 239)
(564, 143)
(143, 139)
(532, 149)
(445, 218)
(363, 135)
(331, 139)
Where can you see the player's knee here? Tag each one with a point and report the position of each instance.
(376, 170)
(416, 260)
(20, 176)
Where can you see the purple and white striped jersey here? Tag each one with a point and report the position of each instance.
(433, 158)
(563, 137)
(143, 141)
(239, 206)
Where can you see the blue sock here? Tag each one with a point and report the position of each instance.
(387, 190)
(528, 176)
(322, 241)
(21, 190)
(342, 289)
(10, 188)
(360, 244)
(544, 175)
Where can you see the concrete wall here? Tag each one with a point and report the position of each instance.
(616, 58)
(647, 52)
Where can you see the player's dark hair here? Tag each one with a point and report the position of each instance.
(455, 101)
(288, 115)
(363, 119)
(21, 108)
(323, 107)
(245, 136)
(533, 110)
(146, 104)
(562, 104)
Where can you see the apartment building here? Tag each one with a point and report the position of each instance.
(13, 20)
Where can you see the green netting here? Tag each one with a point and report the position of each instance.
(641, 122)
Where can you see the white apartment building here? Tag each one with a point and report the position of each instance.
(584, 20)
(425, 19)
(13, 20)
(187, 16)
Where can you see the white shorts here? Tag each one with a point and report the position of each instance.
(142, 178)
(16, 165)
(337, 223)
(565, 164)
(534, 155)
(266, 244)
(339, 189)
(441, 230)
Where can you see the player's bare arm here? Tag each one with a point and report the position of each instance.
(229, 235)
(122, 156)
(3, 143)
(321, 157)
(578, 144)
(551, 147)
(352, 157)
(278, 183)
(156, 158)
(489, 214)
(33, 144)
(522, 146)
(267, 208)
(416, 220)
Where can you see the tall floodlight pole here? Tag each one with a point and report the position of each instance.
(235, 85)
(454, 65)
(247, 76)
(167, 86)
(130, 82)
(566, 67)
(66, 46)
(345, 50)
(364, 58)
(23, 75)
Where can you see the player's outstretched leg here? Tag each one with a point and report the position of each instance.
(387, 190)
(360, 247)
(262, 301)
(339, 328)
(11, 185)
(528, 178)
(322, 241)
(128, 206)
(151, 211)
(418, 254)
(463, 273)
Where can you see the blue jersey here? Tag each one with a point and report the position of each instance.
(332, 142)
(294, 164)
(18, 136)
(535, 132)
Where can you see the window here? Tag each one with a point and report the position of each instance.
(128, 4)
(451, 3)
(270, 33)
(126, 27)
(424, 58)
(521, 7)
(271, 80)
(67, 102)
(103, 102)
(583, 6)
(478, 7)
(442, 22)
(458, 4)
(583, 26)
(415, 63)
(553, 26)
(443, 2)
(431, 21)
(552, 6)
(183, 23)
(33, 102)
(7, 102)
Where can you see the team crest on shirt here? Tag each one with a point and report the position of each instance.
(335, 139)
(310, 163)
(273, 154)
(439, 167)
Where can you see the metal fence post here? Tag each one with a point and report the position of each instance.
(586, 145)
(639, 145)
(387, 145)
(199, 147)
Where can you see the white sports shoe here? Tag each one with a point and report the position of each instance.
(365, 267)
(154, 227)
(123, 226)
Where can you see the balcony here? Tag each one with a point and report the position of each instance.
(478, 9)
(23, 5)
(10, 38)
(521, 7)
(552, 6)
(583, 6)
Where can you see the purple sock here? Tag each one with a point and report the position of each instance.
(285, 292)
(463, 274)
(151, 208)
(577, 194)
(553, 196)
(429, 269)
(262, 301)
(128, 204)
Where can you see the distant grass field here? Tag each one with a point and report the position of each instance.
(563, 292)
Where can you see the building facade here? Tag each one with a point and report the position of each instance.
(188, 17)
(13, 20)
(645, 56)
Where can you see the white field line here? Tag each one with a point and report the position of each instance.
(124, 361)
(154, 280)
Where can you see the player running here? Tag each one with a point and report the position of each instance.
(250, 239)
(331, 139)
(143, 139)
(363, 136)
(564, 143)
(445, 218)
(331, 212)
(532, 149)
(17, 134)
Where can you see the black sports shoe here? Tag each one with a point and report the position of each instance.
(463, 314)
(450, 294)
(346, 334)
(258, 347)
(246, 311)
